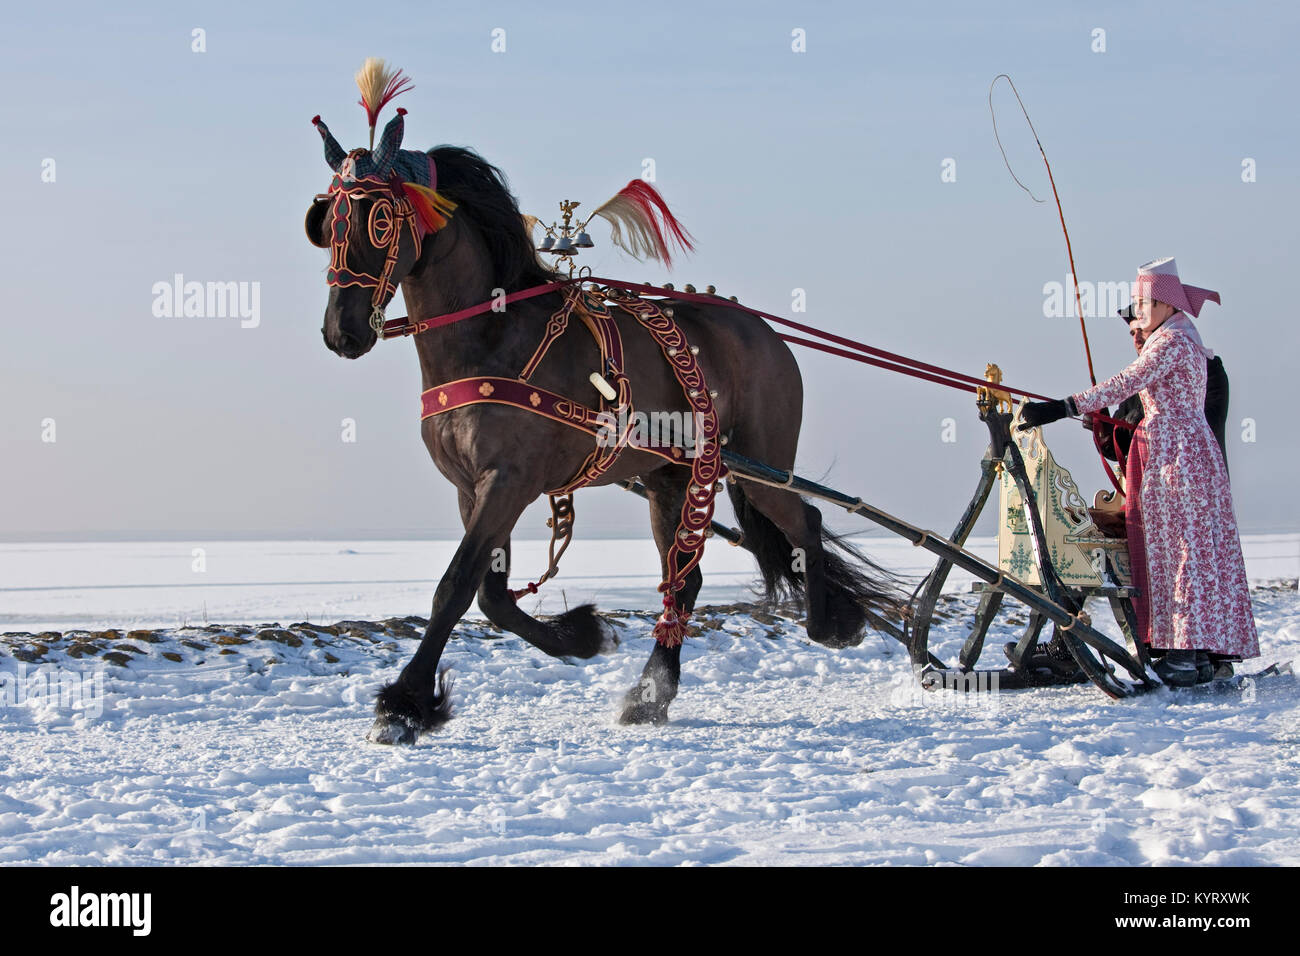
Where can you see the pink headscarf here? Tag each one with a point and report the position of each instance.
(1158, 279)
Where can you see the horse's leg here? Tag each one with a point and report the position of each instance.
(419, 700)
(785, 534)
(647, 702)
(578, 632)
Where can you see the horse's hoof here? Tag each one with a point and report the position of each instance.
(839, 643)
(385, 731)
(401, 715)
(837, 640)
(641, 712)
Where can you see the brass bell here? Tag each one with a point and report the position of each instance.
(583, 241)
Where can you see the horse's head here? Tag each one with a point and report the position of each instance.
(380, 207)
(383, 204)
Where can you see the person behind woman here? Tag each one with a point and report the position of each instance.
(1198, 599)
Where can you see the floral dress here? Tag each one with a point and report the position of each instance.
(1197, 595)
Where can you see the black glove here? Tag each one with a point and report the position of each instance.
(1042, 413)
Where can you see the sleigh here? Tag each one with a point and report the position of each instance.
(1053, 557)
(1050, 540)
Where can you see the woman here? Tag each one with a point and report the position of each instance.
(1198, 599)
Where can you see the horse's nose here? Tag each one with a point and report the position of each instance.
(338, 344)
(346, 345)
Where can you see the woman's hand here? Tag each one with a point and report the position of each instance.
(1035, 414)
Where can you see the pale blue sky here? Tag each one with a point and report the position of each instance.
(818, 171)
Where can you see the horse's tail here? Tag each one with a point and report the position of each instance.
(853, 578)
(764, 540)
(854, 583)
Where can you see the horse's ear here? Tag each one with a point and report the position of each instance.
(315, 223)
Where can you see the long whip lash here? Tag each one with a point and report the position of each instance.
(1069, 251)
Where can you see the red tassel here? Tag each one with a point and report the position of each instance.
(649, 202)
(650, 223)
(421, 198)
(648, 198)
(672, 627)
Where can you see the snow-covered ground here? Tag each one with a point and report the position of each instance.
(231, 744)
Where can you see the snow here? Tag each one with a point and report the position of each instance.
(243, 747)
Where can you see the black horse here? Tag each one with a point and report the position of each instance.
(501, 458)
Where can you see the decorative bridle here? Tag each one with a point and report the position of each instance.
(402, 183)
(390, 213)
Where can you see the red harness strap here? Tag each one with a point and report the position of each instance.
(492, 390)
(596, 317)
(611, 423)
(394, 328)
(390, 213)
(520, 393)
(707, 469)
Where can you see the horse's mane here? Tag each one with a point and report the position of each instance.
(482, 195)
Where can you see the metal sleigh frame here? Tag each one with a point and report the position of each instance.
(1095, 654)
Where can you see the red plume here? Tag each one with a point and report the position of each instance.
(651, 226)
(378, 84)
